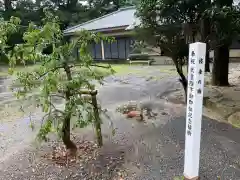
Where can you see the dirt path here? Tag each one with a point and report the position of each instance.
(157, 152)
(140, 151)
(16, 134)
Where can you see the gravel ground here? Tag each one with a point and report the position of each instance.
(153, 150)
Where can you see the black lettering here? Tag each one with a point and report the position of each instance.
(192, 70)
(190, 101)
(191, 89)
(190, 109)
(190, 115)
(193, 61)
(191, 96)
(192, 77)
(191, 83)
(199, 91)
(193, 53)
(189, 121)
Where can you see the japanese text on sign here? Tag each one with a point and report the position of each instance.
(191, 83)
(194, 86)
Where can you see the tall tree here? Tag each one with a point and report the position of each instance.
(205, 32)
(70, 12)
(8, 9)
(215, 23)
(172, 25)
(101, 7)
(162, 26)
(224, 17)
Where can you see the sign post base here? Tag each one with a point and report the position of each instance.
(195, 178)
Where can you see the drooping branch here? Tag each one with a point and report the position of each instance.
(51, 70)
(94, 65)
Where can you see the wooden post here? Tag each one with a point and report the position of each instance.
(102, 48)
(97, 120)
(196, 69)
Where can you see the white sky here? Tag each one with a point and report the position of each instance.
(236, 1)
(84, 2)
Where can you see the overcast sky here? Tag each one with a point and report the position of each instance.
(236, 1)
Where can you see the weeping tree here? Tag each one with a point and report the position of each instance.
(59, 75)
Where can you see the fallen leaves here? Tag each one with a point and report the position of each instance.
(134, 110)
(86, 150)
(133, 114)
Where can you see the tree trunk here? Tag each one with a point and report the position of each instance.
(207, 61)
(220, 66)
(205, 31)
(184, 83)
(7, 5)
(97, 122)
(8, 9)
(182, 78)
(221, 56)
(66, 137)
(66, 128)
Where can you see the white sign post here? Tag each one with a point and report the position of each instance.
(196, 69)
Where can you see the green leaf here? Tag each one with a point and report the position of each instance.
(57, 76)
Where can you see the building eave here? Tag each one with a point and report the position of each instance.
(105, 30)
(87, 25)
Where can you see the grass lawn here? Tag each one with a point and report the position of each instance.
(12, 105)
(168, 70)
(120, 69)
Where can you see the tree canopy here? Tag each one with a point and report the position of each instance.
(70, 12)
(213, 22)
(59, 75)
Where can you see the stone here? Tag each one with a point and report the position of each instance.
(126, 108)
(164, 113)
(135, 114)
(234, 119)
